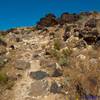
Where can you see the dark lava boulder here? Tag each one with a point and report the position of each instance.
(57, 73)
(90, 37)
(38, 75)
(55, 88)
(91, 23)
(68, 18)
(90, 40)
(85, 33)
(47, 21)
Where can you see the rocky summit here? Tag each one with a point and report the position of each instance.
(57, 59)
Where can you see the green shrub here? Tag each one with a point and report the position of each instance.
(3, 78)
(63, 61)
(64, 57)
(57, 44)
(55, 53)
(2, 37)
(67, 52)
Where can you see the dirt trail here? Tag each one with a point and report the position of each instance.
(22, 87)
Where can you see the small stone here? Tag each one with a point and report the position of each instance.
(35, 56)
(57, 73)
(51, 65)
(38, 75)
(82, 57)
(22, 65)
(55, 88)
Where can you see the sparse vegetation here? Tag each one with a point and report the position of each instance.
(55, 53)
(63, 61)
(57, 44)
(1, 36)
(3, 78)
(61, 55)
(67, 52)
(2, 63)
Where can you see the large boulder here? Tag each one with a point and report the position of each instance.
(90, 37)
(90, 40)
(38, 75)
(47, 21)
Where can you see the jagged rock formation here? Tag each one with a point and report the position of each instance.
(47, 21)
(57, 59)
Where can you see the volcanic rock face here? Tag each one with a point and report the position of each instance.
(48, 20)
(68, 18)
(58, 59)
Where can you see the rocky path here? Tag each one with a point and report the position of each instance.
(27, 88)
(22, 87)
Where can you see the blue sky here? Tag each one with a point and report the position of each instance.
(16, 13)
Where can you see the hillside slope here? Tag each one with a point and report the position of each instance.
(58, 59)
